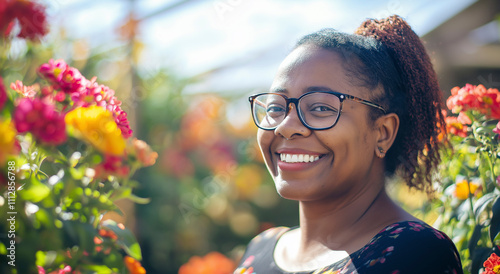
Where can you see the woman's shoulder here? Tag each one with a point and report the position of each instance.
(258, 257)
(411, 232)
(409, 246)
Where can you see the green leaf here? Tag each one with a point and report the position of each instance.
(77, 173)
(139, 200)
(481, 204)
(35, 192)
(3, 249)
(126, 239)
(476, 235)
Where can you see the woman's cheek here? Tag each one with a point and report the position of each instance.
(264, 139)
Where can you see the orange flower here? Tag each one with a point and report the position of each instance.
(212, 263)
(492, 264)
(143, 152)
(134, 266)
(108, 234)
(464, 188)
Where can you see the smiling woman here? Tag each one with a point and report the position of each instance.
(344, 112)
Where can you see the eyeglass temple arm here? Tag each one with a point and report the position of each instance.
(258, 102)
(362, 101)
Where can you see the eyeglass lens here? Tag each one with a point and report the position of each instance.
(316, 110)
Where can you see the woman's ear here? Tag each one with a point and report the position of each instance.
(387, 128)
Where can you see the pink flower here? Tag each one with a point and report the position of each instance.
(497, 129)
(71, 80)
(41, 119)
(463, 118)
(26, 91)
(53, 71)
(100, 95)
(65, 270)
(122, 122)
(3, 94)
(83, 92)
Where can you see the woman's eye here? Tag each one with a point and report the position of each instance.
(323, 109)
(275, 108)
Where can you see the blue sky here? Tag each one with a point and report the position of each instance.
(245, 39)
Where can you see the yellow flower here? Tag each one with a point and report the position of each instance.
(97, 126)
(8, 145)
(464, 188)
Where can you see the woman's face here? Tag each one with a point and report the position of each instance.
(346, 152)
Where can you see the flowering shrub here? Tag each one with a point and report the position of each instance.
(67, 156)
(469, 204)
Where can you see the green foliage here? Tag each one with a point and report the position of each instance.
(468, 201)
(53, 199)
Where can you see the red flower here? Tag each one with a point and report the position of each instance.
(492, 264)
(30, 16)
(470, 97)
(112, 165)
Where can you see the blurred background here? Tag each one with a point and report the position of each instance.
(184, 70)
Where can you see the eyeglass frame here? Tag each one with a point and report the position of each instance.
(296, 101)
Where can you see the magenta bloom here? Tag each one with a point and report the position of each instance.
(122, 122)
(41, 119)
(3, 94)
(83, 92)
(103, 96)
(71, 80)
(497, 129)
(53, 71)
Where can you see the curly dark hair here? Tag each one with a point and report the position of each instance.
(389, 53)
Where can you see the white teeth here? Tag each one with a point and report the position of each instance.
(298, 158)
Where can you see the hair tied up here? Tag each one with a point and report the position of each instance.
(422, 93)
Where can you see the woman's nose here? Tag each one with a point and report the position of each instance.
(292, 126)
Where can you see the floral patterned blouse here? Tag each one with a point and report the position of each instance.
(403, 247)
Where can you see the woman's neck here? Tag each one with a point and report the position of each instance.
(346, 224)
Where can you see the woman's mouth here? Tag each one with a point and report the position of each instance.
(298, 158)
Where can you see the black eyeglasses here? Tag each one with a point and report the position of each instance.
(317, 110)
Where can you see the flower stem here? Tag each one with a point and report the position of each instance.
(492, 169)
(471, 209)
